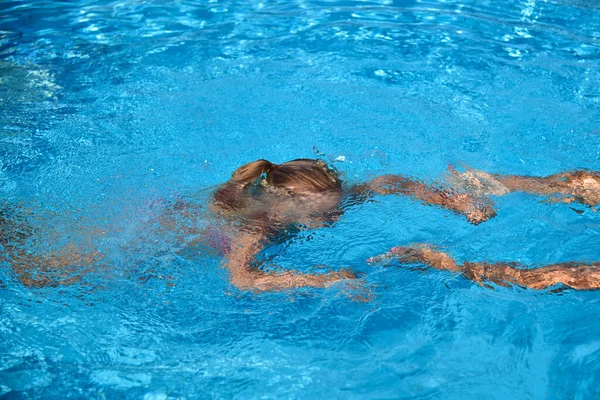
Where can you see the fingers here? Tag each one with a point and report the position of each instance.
(476, 209)
(582, 186)
(422, 254)
(341, 275)
(349, 274)
(403, 253)
(394, 253)
(480, 214)
(476, 182)
(378, 259)
(358, 291)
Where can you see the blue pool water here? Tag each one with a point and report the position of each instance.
(110, 110)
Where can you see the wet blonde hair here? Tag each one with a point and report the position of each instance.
(301, 176)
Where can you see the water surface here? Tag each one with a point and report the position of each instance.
(110, 110)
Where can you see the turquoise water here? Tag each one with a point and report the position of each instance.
(112, 110)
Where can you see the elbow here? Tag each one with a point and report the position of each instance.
(243, 283)
(247, 281)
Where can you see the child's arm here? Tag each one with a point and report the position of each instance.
(476, 210)
(577, 276)
(240, 263)
(576, 186)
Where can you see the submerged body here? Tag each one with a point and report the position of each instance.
(263, 200)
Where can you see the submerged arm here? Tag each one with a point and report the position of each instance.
(576, 186)
(577, 276)
(476, 210)
(240, 263)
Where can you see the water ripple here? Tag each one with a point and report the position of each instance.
(113, 111)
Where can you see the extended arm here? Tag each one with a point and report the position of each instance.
(575, 186)
(475, 209)
(240, 264)
(579, 276)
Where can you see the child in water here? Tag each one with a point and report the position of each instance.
(263, 200)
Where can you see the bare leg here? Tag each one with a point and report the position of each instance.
(61, 267)
(579, 276)
(64, 267)
(476, 210)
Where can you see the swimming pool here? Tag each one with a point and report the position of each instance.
(113, 109)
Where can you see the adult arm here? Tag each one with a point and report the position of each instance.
(579, 276)
(579, 186)
(477, 210)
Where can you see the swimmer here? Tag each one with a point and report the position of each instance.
(262, 199)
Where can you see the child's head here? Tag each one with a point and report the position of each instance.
(296, 177)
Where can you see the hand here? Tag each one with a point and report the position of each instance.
(402, 253)
(340, 275)
(476, 182)
(352, 285)
(476, 209)
(480, 211)
(584, 186)
(419, 253)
